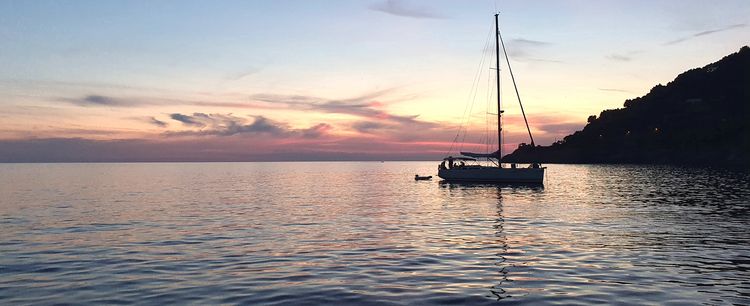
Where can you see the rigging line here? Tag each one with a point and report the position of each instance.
(492, 135)
(466, 129)
(491, 103)
(488, 106)
(501, 137)
(468, 119)
(490, 95)
(487, 112)
(474, 96)
(474, 84)
(487, 118)
(516, 88)
(473, 93)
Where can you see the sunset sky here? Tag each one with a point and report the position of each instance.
(327, 80)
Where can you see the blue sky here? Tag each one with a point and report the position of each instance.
(403, 59)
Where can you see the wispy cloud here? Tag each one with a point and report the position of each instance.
(317, 130)
(258, 101)
(226, 137)
(367, 126)
(156, 122)
(230, 125)
(704, 33)
(560, 128)
(541, 60)
(370, 129)
(623, 56)
(404, 9)
(365, 106)
(551, 125)
(525, 48)
(619, 57)
(99, 100)
(368, 108)
(242, 74)
(530, 42)
(214, 149)
(187, 120)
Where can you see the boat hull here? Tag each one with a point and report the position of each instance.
(493, 175)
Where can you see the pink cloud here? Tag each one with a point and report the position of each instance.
(372, 133)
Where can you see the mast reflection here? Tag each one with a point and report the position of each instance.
(502, 241)
(501, 264)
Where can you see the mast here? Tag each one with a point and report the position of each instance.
(499, 111)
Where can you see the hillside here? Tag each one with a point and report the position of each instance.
(701, 117)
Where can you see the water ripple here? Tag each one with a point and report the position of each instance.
(368, 234)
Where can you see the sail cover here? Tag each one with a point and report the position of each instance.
(459, 158)
(480, 155)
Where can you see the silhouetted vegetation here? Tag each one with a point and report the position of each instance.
(701, 117)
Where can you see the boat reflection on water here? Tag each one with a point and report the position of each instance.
(498, 186)
(500, 260)
(502, 240)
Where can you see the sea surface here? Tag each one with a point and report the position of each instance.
(367, 233)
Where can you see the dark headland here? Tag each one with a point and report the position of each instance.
(701, 117)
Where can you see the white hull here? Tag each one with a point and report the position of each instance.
(493, 175)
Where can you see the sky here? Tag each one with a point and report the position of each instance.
(133, 80)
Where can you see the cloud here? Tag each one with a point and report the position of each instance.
(404, 9)
(101, 100)
(367, 126)
(98, 100)
(529, 42)
(369, 130)
(365, 106)
(707, 32)
(227, 137)
(623, 57)
(541, 60)
(224, 125)
(317, 130)
(545, 128)
(560, 128)
(619, 57)
(260, 101)
(230, 125)
(301, 100)
(242, 74)
(187, 120)
(157, 122)
(214, 149)
(260, 125)
(522, 47)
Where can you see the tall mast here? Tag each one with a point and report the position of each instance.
(499, 111)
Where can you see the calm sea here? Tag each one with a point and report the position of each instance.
(367, 233)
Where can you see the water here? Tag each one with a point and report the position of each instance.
(367, 233)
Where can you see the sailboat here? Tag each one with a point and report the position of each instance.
(455, 169)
